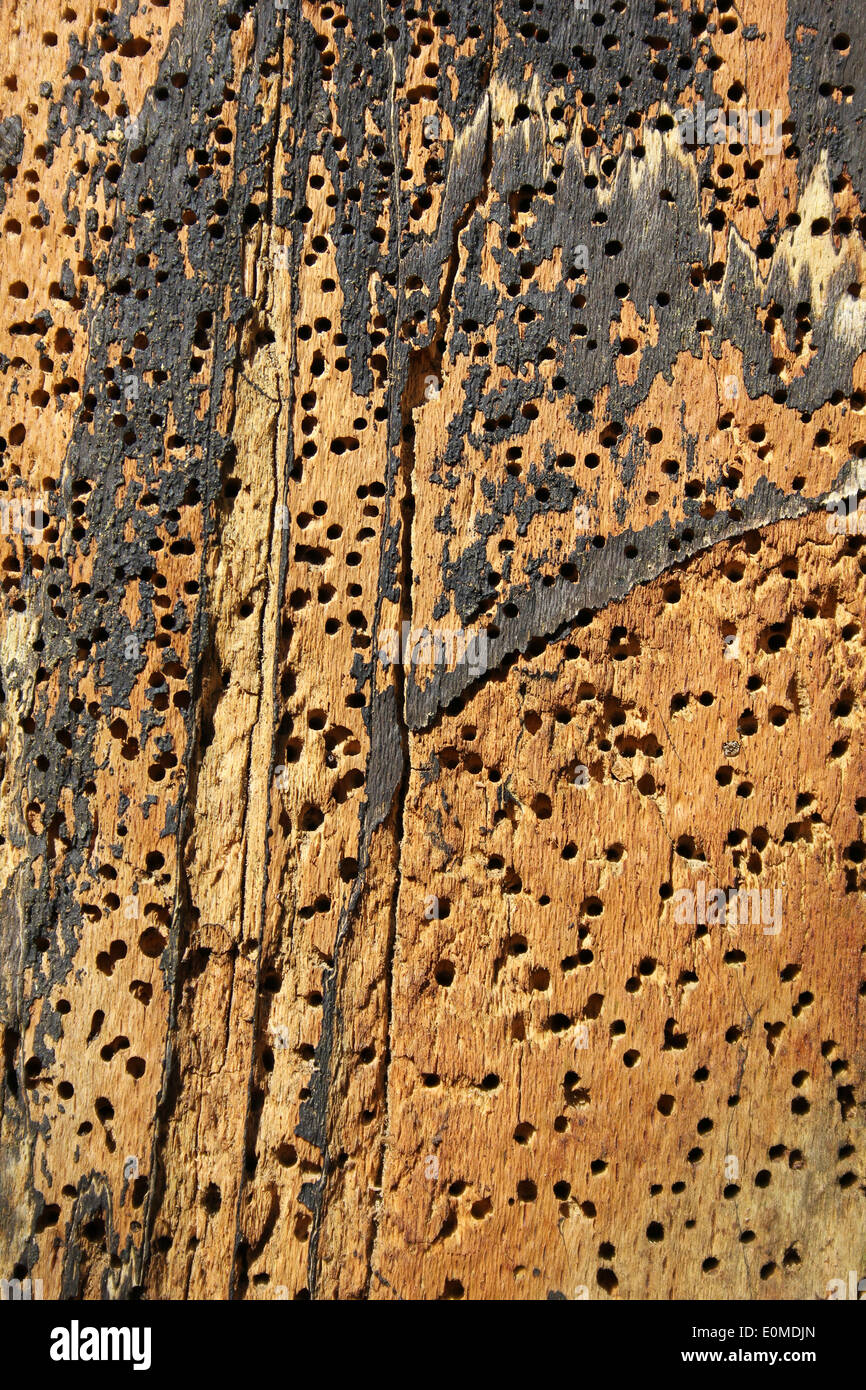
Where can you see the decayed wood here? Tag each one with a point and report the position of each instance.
(432, 578)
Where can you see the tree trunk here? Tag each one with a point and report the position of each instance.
(432, 649)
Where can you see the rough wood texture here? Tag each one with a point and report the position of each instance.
(338, 962)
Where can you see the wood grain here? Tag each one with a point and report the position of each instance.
(431, 569)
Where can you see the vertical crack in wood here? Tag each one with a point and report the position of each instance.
(273, 599)
(422, 363)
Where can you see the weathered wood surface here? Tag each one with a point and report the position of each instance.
(331, 974)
